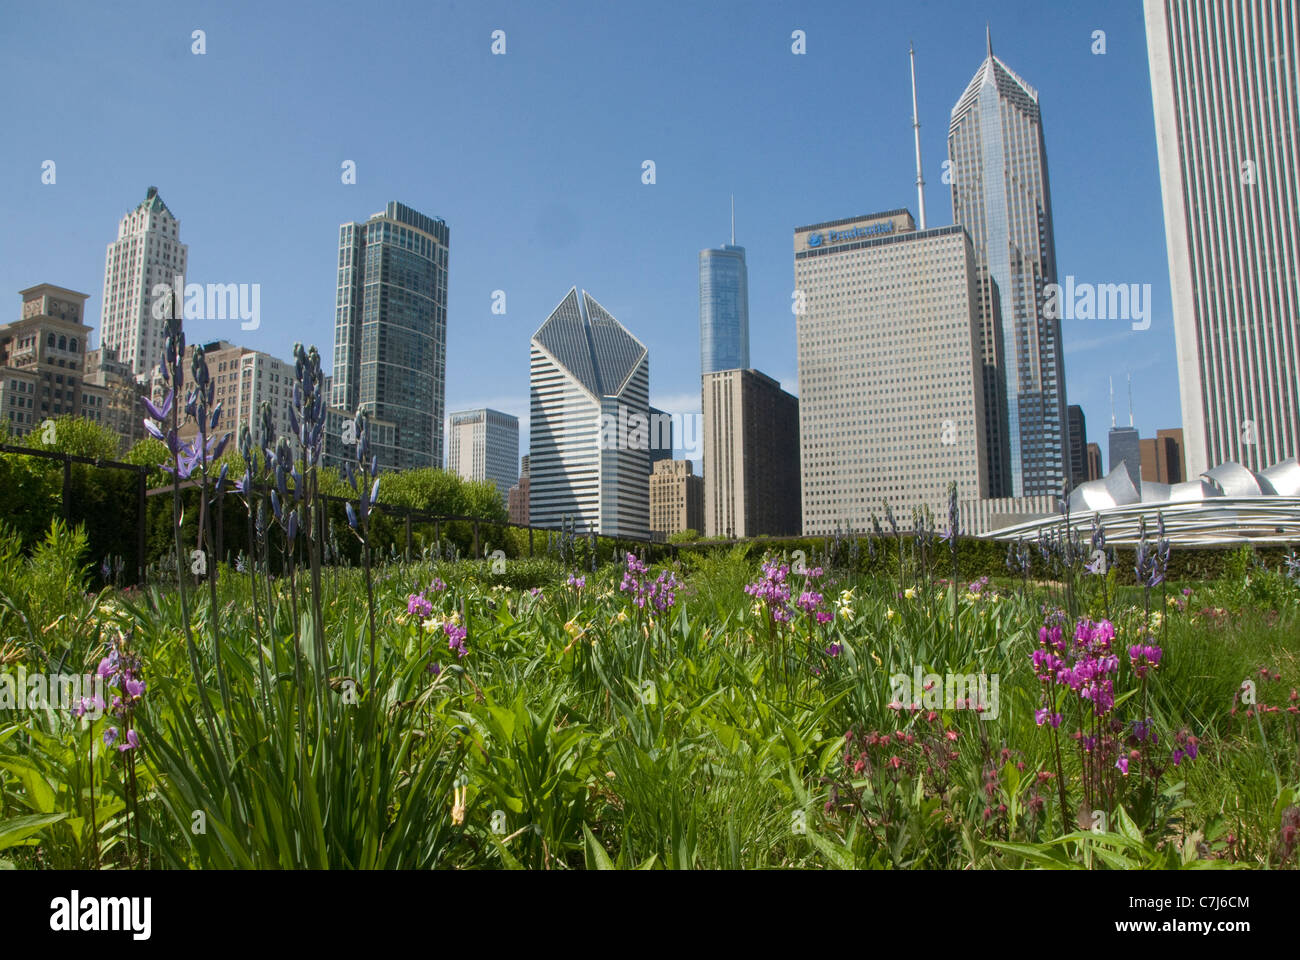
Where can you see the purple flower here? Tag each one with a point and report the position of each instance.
(110, 736)
(435, 668)
(456, 635)
(833, 650)
(132, 741)
(417, 604)
(135, 689)
(1122, 764)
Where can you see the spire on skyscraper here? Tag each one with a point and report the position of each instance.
(916, 132)
(988, 37)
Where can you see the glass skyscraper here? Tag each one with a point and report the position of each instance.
(390, 331)
(724, 309)
(1000, 195)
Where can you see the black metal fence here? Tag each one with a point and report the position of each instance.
(129, 525)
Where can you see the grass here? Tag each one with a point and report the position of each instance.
(583, 731)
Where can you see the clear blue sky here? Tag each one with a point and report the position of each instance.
(534, 158)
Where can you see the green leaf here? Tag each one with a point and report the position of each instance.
(20, 828)
(596, 857)
(841, 857)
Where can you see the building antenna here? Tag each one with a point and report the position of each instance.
(916, 132)
(733, 219)
(1111, 380)
(1130, 399)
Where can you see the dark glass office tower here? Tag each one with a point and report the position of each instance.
(390, 330)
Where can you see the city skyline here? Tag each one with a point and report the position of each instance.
(513, 236)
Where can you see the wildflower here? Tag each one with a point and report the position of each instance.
(622, 616)
(110, 736)
(891, 614)
(456, 635)
(910, 593)
(833, 650)
(1144, 657)
(1044, 715)
(576, 582)
(417, 605)
(458, 804)
(1122, 764)
(132, 741)
(435, 668)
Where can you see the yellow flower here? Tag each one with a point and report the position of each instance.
(910, 593)
(891, 614)
(572, 628)
(846, 596)
(433, 623)
(846, 612)
(622, 616)
(458, 805)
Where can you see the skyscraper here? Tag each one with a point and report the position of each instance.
(1161, 458)
(1000, 195)
(390, 331)
(1078, 445)
(517, 499)
(1095, 471)
(1227, 116)
(484, 445)
(724, 307)
(147, 252)
(751, 456)
(889, 369)
(589, 437)
(1126, 449)
(676, 498)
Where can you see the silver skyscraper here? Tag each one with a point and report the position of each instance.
(1000, 194)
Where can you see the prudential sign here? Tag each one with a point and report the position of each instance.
(845, 236)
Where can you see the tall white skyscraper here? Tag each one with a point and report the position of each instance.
(589, 437)
(889, 370)
(1227, 115)
(484, 445)
(147, 251)
(1000, 195)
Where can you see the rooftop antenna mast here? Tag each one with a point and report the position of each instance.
(733, 219)
(1130, 399)
(1111, 380)
(916, 132)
